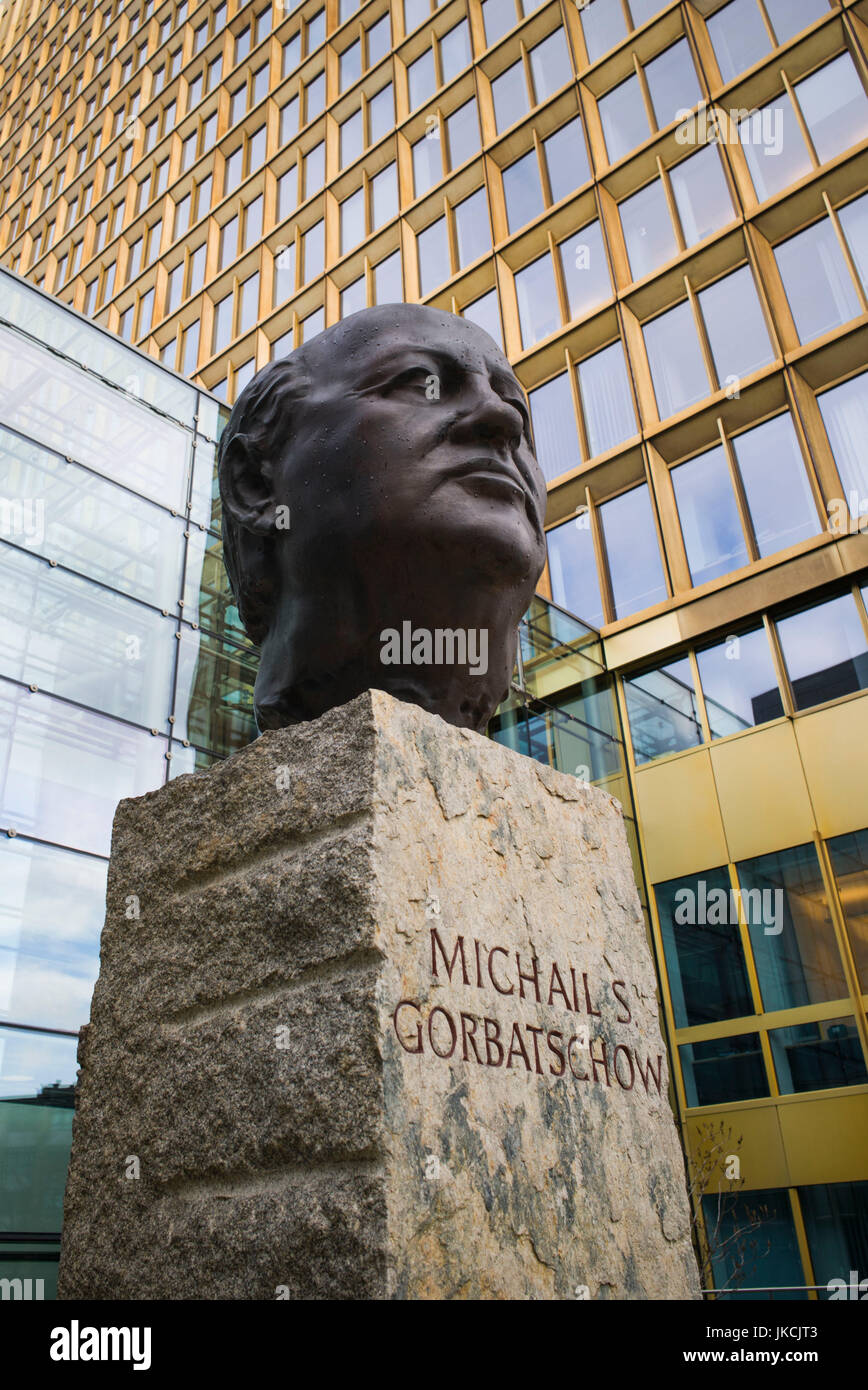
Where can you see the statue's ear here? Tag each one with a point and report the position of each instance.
(246, 487)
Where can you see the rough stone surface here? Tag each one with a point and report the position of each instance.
(295, 1132)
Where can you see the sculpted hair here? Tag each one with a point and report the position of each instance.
(257, 430)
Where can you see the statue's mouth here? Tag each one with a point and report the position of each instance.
(491, 472)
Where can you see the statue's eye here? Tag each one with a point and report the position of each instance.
(413, 376)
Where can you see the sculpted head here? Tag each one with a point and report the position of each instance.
(383, 517)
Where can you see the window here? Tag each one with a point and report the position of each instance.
(314, 97)
(854, 223)
(422, 79)
(586, 270)
(522, 191)
(354, 297)
(510, 96)
(379, 40)
(287, 193)
(673, 87)
(388, 288)
(352, 220)
(222, 335)
(710, 523)
(291, 54)
(289, 118)
(228, 243)
(675, 357)
(723, 1070)
(538, 311)
(739, 683)
(381, 114)
(845, 415)
(735, 325)
(313, 251)
(455, 51)
(248, 303)
(566, 159)
(607, 399)
(739, 35)
(314, 169)
(648, 229)
(835, 107)
(573, 569)
(825, 651)
(384, 196)
(772, 477)
(472, 228)
(701, 941)
(433, 249)
(848, 855)
(485, 312)
(313, 324)
(550, 65)
(350, 65)
(811, 1056)
(701, 194)
(352, 140)
(556, 440)
(252, 227)
(632, 551)
(791, 932)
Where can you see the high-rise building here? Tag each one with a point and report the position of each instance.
(660, 211)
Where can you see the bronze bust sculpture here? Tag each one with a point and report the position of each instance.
(383, 517)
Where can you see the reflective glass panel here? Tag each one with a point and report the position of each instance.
(774, 148)
(79, 416)
(673, 83)
(433, 247)
(586, 270)
(485, 312)
(675, 357)
(607, 399)
(825, 652)
(827, 296)
(739, 37)
(509, 92)
(816, 1056)
(663, 712)
(778, 493)
(73, 638)
(845, 415)
(462, 130)
(701, 941)
(566, 159)
(648, 229)
(849, 857)
(52, 904)
(702, 194)
(472, 228)
(522, 191)
(835, 107)
(554, 429)
(791, 932)
(573, 570)
(735, 325)
(64, 769)
(69, 514)
(538, 310)
(710, 523)
(632, 550)
(625, 122)
(550, 65)
(739, 683)
(723, 1070)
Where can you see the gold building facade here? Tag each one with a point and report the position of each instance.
(660, 210)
